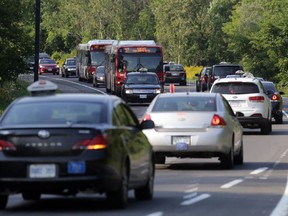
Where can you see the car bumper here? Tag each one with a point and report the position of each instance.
(201, 144)
(174, 79)
(252, 122)
(140, 98)
(98, 177)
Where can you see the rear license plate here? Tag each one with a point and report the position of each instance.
(76, 167)
(181, 142)
(236, 103)
(42, 171)
(175, 74)
(143, 96)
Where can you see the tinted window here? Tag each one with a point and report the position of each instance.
(142, 79)
(174, 68)
(235, 88)
(269, 86)
(47, 61)
(55, 112)
(71, 62)
(185, 104)
(223, 71)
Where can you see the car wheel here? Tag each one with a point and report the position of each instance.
(238, 159)
(227, 160)
(266, 128)
(146, 192)
(160, 159)
(119, 199)
(31, 196)
(3, 201)
(279, 119)
(184, 83)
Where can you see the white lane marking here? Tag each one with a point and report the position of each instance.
(282, 206)
(191, 190)
(196, 199)
(231, 184)
(259, 170)
(189, 196)
(285, 113)
(155, 214)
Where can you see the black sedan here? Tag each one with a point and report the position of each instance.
(69, 143)
(276, 100)
(140, 87)
(69, 67)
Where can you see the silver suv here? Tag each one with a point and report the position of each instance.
(249, 101)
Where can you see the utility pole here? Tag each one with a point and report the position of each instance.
(37, 36)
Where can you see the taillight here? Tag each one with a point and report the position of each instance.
(258, 99)
(98, 142)
(275, 97)
(146, 117)
(6, 146)
(203, 79)
(91, 69)
(217, 121)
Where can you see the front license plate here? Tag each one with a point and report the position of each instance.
(49, 69)
(76, 167)
(143, 96)
(181, 143)
(42, 171)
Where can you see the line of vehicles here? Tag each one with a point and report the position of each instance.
(70, 143)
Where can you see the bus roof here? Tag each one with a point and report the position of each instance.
(82, 46)
(136, 43)
(96, 41)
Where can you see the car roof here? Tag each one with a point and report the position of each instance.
(74, 97)
(143, 73)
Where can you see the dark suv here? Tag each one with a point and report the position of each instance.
(202, 79)
(175, 73)
(69, 67)
(217, 71)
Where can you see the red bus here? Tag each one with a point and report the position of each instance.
(89, 57)
(128, 56)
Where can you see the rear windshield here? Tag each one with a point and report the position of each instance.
(185, 104)
(173, 68)
(223, 71)
(55, 113)
(235, 88)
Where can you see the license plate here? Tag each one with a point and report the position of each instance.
(143, 96)
(42, 171)
(49, 69)
(236, 103)
(181, 143)
(175, 74)
(76, 167)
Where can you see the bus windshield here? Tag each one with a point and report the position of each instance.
(134, 62)
(97, 58)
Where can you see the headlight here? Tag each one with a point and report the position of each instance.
(157, 91)
(128, 91)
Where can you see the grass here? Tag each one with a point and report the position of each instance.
(9, 91)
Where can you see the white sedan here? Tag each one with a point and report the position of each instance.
(194, 125)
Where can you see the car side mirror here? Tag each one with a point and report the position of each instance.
(148, 124)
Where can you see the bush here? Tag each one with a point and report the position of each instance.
(192, 70)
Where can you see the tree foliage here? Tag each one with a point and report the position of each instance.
(192, 32)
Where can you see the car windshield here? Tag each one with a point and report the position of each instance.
(235, 88)
(47, 61)
(190, 104)
(71, 62)
(142, 79)
(55, 113)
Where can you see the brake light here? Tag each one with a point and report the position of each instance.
(91, 69)
(217, 121)
(6, 146)
(258, 99)
(146, 118)
(98, 142)
(275, 97)
(203, 79)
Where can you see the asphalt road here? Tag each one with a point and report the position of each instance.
(189, 186)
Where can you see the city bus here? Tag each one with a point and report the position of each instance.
(89, 56)
(129, 56)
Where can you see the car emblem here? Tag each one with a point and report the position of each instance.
(234, 97)
(44, 134)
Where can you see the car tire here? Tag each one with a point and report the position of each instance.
(146, 192)
(266, 128)
(31, 196)
(227, 160)
(3, 201)
(119, 199)
(160, 159)
(239, 158)
(184, 83)
(279, 119)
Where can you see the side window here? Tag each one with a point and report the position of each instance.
(124, 116)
